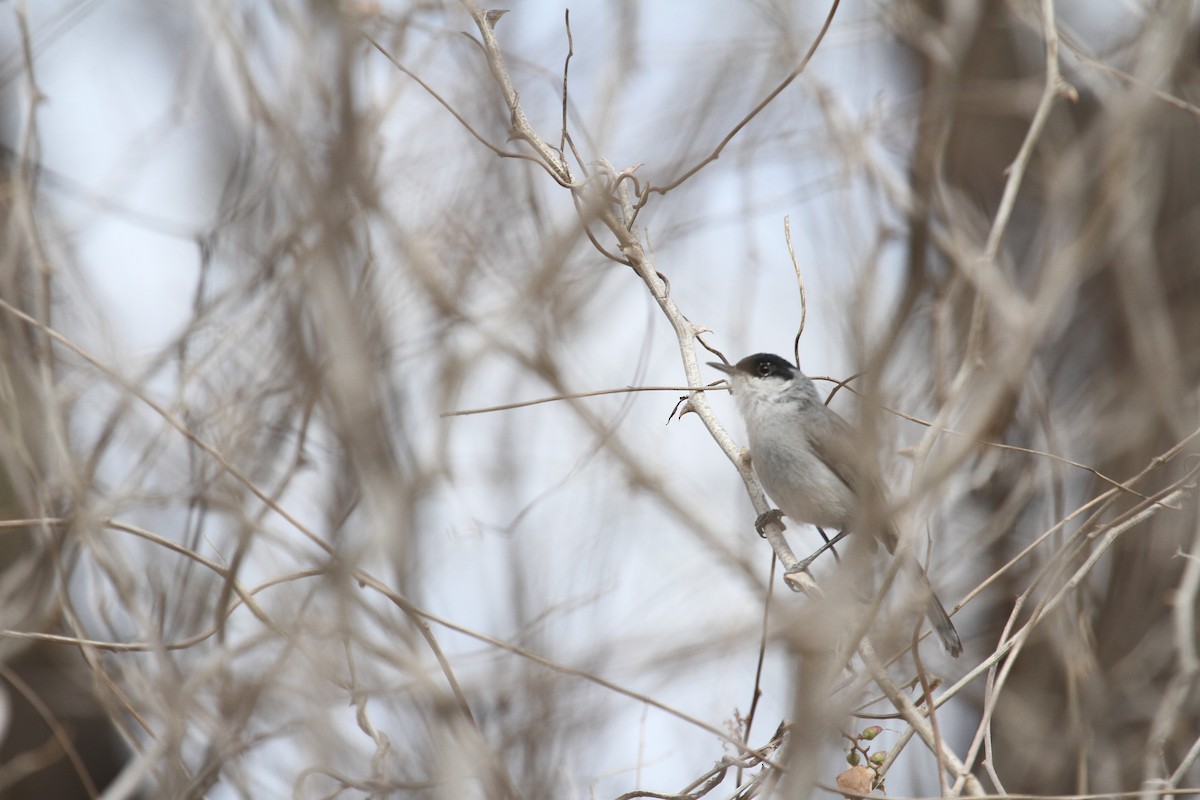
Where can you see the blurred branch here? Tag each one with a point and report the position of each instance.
(170, 419)
(988, 270)
(1053, 88)
(1170, 709)
(461, 119)
(1000, 445)
(403, 603)
(917, 721)
(62, 736)
(1138, 515)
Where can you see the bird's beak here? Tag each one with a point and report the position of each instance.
(726, 368)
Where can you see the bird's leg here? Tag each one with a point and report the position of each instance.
(803, 565)
(765, 519)
(821, 531)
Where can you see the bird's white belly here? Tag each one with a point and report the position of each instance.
(808, 492)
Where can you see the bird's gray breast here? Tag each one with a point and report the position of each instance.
(793, 475)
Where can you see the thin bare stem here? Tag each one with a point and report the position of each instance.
(578, 395)
(766, 101)
(787, 235)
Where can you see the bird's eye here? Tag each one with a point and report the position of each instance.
(764, 369)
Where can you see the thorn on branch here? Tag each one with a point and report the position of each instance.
(683, 406)
(1068, 91)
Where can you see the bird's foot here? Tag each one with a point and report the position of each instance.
(829, 543)
(774, 515)
(798, 580)
(802, 566)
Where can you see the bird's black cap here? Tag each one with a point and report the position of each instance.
(766, 365)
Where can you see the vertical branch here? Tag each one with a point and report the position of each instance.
(787, 235)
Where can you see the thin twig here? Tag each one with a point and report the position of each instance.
(577, 395)
(787, 235)
(917, 721)
(766, 101)
(562, 142)
(174, 422)
(840, 384)
(1136, 517)
(500, 644)
(762, 658)
(461, 119)
(1076, 49)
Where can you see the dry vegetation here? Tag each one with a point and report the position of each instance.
(260, 556)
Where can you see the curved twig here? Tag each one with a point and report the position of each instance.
(766, 101)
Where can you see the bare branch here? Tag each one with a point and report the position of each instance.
(766, 101)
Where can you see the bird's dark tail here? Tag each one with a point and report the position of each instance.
(940, 620)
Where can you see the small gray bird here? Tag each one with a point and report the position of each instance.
(804, 455)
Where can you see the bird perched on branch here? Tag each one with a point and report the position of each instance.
(805, 456)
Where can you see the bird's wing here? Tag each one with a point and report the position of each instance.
(835, 445)
(832, 439)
